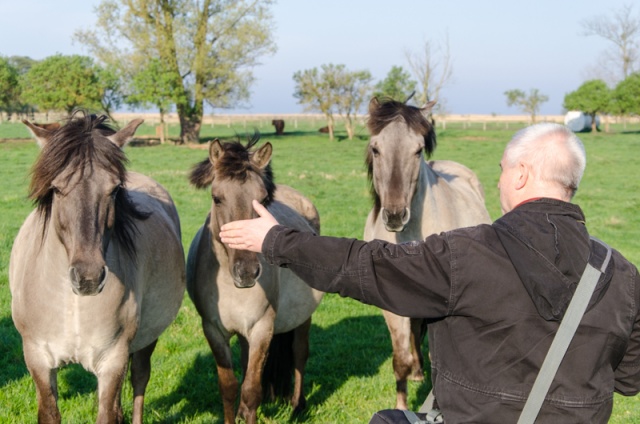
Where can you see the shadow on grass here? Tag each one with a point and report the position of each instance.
(12, 366)
(273, 137)
(353, 347)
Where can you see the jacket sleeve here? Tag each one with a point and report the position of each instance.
(408, 279)
(627, 373)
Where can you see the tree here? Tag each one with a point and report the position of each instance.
(623, 30)
(208, 47)
(22, 64)
(433, 68)
(9, 88)
(397, 85)
(528, 104)
(111, 83)
(352, 90)
(315, 90)
(154, 86)
(332, 89)
(63, 83)
(626, 95)
(592, 97)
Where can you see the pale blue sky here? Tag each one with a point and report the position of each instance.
(495, 45)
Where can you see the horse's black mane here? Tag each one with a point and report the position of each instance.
(387, 111)
(80, 141)
(235, 163)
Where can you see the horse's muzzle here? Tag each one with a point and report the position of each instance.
(85, 284)
(395, 221)
(245, 275)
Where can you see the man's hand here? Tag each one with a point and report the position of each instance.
(248, 234)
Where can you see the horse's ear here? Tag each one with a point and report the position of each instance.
(123, 136)
(428, 107)
(262, 156)
(373, 104)
(42, 132)
(202, 173)
(215, 151)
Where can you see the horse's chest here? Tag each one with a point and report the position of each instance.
(83, 330)
(240, 309)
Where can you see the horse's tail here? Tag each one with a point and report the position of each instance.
(279, 367)
(423, 329)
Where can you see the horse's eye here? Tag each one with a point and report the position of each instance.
(375, 151)
(419, 152)
(216, 199)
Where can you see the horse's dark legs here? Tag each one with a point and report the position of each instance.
(227, 381)
(45, 380)
(418, 330)
(251, 391)
(244, 353)
(400, 331)
(140, 374)
(300, 355)
(109, 389)
(47, 395)
(111, 373)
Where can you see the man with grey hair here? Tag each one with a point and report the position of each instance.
(496, 293)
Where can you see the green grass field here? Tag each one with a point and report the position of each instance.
(349, 373)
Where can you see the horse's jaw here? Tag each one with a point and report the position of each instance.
(244, 284)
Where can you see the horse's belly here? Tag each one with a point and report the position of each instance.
(297, 302)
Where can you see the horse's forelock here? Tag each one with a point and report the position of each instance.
(390, 110)
(77, 147)
(235, 164)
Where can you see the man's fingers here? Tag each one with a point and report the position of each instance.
(260, 209)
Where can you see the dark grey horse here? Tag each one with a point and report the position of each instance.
(97, 271)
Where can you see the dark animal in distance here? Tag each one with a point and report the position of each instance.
(279, 126)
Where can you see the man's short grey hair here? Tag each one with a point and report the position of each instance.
(553, 151)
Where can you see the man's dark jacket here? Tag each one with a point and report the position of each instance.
(497, 294)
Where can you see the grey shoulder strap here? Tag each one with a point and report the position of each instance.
(567, 329)
(412, 418)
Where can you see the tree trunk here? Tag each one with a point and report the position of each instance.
(330, 125)
(594, 127)
(190, 124)
(162, 135)
(349, 126)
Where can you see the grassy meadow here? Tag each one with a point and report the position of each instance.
(349, 373)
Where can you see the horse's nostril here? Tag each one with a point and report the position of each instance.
(103, 274)
(73, 275)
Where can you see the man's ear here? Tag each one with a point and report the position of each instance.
(522, 176)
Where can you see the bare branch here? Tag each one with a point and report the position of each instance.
(623, 30)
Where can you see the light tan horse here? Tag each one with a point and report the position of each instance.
(412, 200)
(97, 271)
(237, 293)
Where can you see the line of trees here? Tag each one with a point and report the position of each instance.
(595, 97)
(165, 54)
(184, 54)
